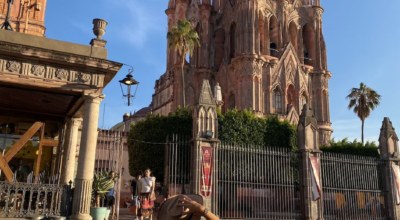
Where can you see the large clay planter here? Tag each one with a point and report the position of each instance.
(98, 213)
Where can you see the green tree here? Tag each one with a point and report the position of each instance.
(363, 100)
(183, 38)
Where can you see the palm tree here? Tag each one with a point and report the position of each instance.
(183, 38)
(363, 100)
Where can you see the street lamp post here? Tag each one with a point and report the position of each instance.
(6, 25)
(129, 81)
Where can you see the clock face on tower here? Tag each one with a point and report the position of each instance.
(232, 2)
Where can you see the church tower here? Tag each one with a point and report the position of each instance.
(26, 16)
(267, 55)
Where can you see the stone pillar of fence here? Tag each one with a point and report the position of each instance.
(205, 135)
(309, 166)
(389, 152)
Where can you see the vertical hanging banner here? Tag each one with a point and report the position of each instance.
(315, 177)
(396, 180)
(206, 171)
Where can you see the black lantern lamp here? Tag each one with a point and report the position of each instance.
(129, 81)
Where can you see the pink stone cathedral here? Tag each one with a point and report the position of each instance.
(268, 56)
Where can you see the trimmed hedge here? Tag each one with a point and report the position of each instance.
(354, 148)
(243, 127)
(146, 140)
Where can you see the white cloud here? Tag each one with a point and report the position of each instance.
(140, 21)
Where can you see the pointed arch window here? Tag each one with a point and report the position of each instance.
(308, 45)
(202, 117)
(261, 32)
(290, 97)
(190, 96)
(325, 106)
(219, 47)
(277, 101)
(273, 36)
(231, 101)
(232, 44)
(303, 101)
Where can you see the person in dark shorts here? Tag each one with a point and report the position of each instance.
(110, 196)
(135, 195)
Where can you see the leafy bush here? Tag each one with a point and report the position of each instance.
(354, 147)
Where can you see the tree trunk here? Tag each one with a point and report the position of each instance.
(98, 201)
(362, 132)
(183, 81)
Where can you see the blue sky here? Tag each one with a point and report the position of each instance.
(362, 40)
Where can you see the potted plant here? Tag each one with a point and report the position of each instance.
(102, 184)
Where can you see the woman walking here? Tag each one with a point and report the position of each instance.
(147, 194)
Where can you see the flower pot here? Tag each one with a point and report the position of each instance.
(98, 213)
(108, 211)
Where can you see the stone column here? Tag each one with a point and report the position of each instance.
(388, 146)
(84, 176)
(69, 154)
(310, 166)
(317, 37)
(205, 136)
(205, 13)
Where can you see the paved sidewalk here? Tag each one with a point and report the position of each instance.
(126, 214)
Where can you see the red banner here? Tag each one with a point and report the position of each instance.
(206, 170)
(315, 177)
(396, 180)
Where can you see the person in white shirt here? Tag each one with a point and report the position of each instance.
(147, 195)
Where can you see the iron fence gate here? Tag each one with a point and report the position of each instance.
(109, 154)
(178, 154)
(352, 187)
(257, 183)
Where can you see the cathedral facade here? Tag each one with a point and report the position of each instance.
(268, 56)
(25, 16)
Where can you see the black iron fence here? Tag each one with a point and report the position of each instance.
(352, 187)
(255, 183)
(22, 200)
(178, 165)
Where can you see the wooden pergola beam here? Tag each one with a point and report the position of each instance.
(49, 143)
(22, 141)
(17, 146)
(39, 156)
(8, 173)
